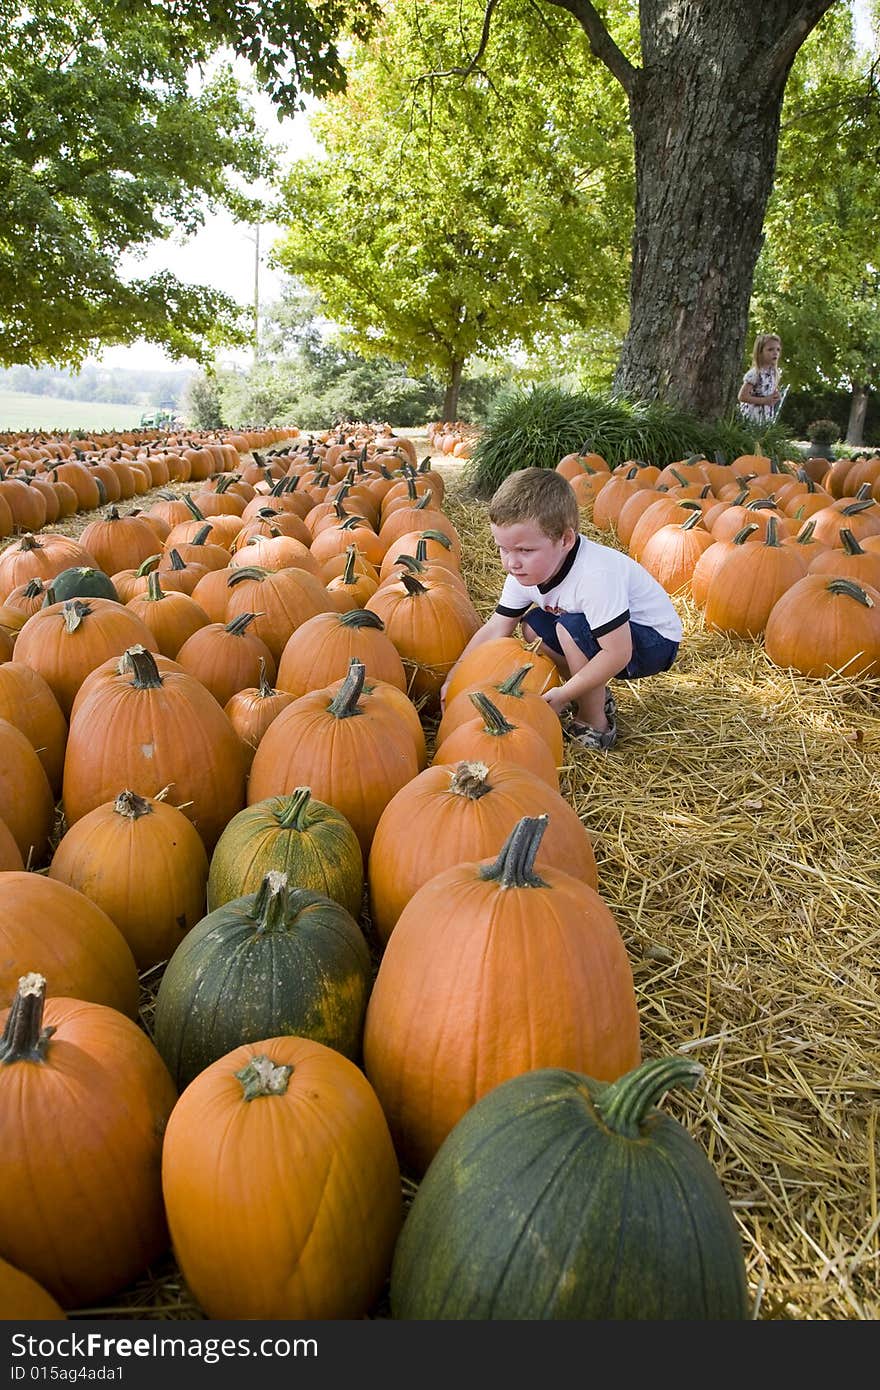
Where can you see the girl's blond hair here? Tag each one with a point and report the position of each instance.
(760, 343)
(540, 495)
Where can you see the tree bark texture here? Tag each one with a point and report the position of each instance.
(453, 387)
(858, 409)
(705, 109)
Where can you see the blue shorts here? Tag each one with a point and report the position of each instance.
(651, 652)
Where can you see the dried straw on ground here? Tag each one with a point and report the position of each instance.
(736, 833)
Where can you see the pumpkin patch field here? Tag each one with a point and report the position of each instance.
(521, 1031)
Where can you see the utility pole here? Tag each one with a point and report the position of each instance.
(256, 292)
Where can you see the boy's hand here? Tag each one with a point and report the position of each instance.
(557, 698)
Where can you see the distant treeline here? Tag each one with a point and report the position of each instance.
(115, 385)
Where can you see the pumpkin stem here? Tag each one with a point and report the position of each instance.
(624, 1103)
(147, 566)
(265, 687)
(198, 514)
(849, 542)
(143, 664)
(238, 626)
(852, 590)
(24, 1038)
(805, 534)
(362, 617)
(29, 542)
(742, 536)
(412, 585)
(293, 814)
(513, 684)
(410, 563)
(128, 803)
(438, 536)
(344, 703)
(494, 722)
(154, 587)
(470, 780)
(263, 1077)
(74, 611)
(270, 906)
(514, 867)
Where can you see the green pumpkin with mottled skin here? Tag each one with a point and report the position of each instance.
(308, 840)
(282, 961)
(560, 1197)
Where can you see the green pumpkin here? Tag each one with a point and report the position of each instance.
(277, 962)
(309, 841)
(560, 1197)
(82, 582)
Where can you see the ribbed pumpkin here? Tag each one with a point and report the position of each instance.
(449, 814)
(672, 552)
(281, 1185)
(68, 938)
(10, 854)
(68, 640)
(824, 624)
(112, 852)
(281, 599)
(250, 711)
(85, 1100)
(748, 581)
(491, 737)
(277, 962)
(39, 557)
(494, 969)
(170, 615)
(27, 702)
(851, 561)
(493, 660)
(309, 841)
(610, 1212)
(118, 542)
(22, 1299)
(354, 754)
(321, 649)
(148, 729)
(227, 657)
(26, 801)
(430, 624)
(516, 702)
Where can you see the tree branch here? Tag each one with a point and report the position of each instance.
(472, 64)
(778, 60)
(602, 43)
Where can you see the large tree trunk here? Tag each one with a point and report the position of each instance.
(705, 108)
(453, 387)
(858, 409)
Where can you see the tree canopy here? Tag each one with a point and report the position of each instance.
(451, 218)
(817, 281)
(111, 136)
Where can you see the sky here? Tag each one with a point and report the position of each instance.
(223, 253)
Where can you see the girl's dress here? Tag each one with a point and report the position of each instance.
(763, 381)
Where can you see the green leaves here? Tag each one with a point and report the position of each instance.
(454, 218)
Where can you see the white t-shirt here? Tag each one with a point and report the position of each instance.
(608, 587)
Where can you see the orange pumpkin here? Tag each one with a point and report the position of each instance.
(68, 938)
(281, 1184)
(353, 754)
(321, 649)
(454, 1010)
(823, 625)
(27, 702)
(22, 1299)
(491, 737)
(453, 813)
(101, 1085)
(110, 853)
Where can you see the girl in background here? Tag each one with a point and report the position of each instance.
(759, 394)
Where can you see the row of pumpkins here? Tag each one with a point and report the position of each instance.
(228, 814)
(455, 437)
(764, 550)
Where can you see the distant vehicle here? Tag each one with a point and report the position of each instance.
(159, 420)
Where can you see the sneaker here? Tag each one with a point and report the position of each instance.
(588, 737)
(569, 714)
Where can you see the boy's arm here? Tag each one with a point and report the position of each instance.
(498, 625)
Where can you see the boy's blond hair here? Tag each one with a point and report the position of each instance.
(540, 495)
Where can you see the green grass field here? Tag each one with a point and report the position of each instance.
(25, 413)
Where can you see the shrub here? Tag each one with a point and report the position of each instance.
(534, 427)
